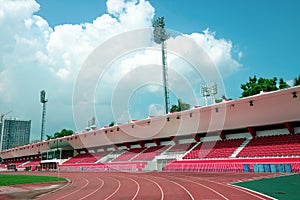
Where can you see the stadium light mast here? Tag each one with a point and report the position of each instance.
(205, 93)
(160, 36)
(43, 101)
(209, 90)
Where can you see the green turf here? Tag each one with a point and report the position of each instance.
(7, 179)
(284, 187)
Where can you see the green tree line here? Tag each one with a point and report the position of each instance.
(62, 133)
(255, 85)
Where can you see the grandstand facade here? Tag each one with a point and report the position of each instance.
(257, 133)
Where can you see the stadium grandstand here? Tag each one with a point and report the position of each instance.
(260, 133)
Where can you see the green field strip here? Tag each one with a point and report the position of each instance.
(282, 187)
(7, 179)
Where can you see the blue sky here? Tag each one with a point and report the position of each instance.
(265, 31)
(44, 44)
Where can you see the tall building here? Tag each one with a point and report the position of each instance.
(14, 133)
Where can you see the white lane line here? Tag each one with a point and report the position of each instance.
(138, 186)
(231, 186)
(56, 190)
(87, 182)
(184, 190)
(161, 190)
(242, 189)
(138, 189)
(115, 190)
(214, 191)
(102, 183)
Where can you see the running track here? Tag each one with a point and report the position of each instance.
(152, 185)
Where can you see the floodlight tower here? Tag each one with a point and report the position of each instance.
(43, 101)
(213, 92)
(205, 93)
(209, 90)
(160, 36)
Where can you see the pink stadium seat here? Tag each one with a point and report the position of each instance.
(215, 149)
(274, 145)
(87, 157)
(129, 154)
(150, 153)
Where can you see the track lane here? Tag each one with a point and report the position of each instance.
(151, 185)
(116, 190)
(148, 189)
(171, 190)
(231, 192)
(129, 188)
(76, 185)
(200, 191)
(102, 183)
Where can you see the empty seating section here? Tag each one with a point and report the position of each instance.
(77, 158)
(275, 164)
(150, 153)
(275, 145)
(34, 162)
(87, 157)
(181, 147)
(215, 149)
(204, 166)
(17, 163)
(128, 154)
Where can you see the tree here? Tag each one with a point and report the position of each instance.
(183, 106)
(180, 106)
(62, 133)
(111, 124)
(174, 108)
(49, 137)
(297, 81)
(222, 98)
(283, 84)
(254, 86)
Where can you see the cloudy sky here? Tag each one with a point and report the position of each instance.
(51, 44)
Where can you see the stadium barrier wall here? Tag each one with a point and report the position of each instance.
(103, 167)
(250, 165)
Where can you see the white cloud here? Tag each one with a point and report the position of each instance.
(131, 13)
(115, 7)
(240, 55)
(290, 82)
(220, 51)
(34, 56)
(156, 110)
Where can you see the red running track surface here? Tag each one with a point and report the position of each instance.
(152, 185)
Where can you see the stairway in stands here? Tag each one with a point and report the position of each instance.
(240, 148)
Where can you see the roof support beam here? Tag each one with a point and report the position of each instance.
(156, 141)
(142, 144)
(174, 139)
(289, 127)
(251, 131)
(196, 137)
(221, 134)
(126, 144)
